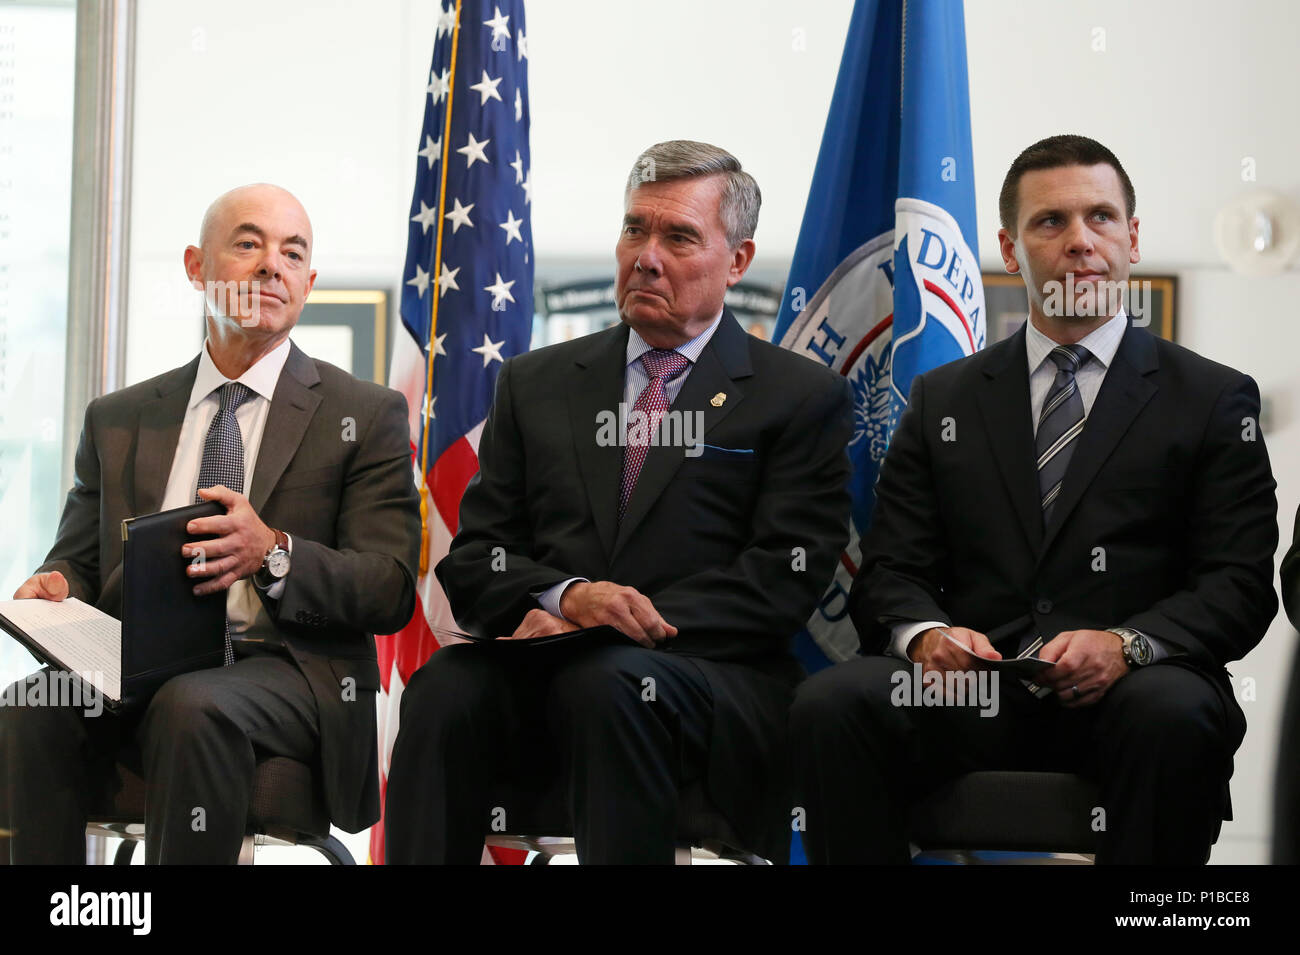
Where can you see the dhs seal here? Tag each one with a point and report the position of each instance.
(905, 301)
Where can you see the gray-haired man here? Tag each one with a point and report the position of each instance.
(703, 526)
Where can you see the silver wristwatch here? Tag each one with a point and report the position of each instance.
(275, 565)
(1137, 648)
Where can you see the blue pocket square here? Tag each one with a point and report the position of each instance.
(714, 447)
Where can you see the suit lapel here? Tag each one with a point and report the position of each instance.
(724, 360)
(291, 412)
(1124, 392)
(160, 429)
(1004, 405)
(598, 388)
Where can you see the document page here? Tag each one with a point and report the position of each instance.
(82, 639)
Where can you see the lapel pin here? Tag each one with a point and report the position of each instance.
(718, 399)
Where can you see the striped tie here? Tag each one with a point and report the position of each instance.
(1059, 424)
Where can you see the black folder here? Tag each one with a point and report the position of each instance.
(570, 640)
(166, 629)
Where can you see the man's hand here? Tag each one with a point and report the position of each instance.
(539, 623)
(934, 652)
(51, 586)
(240, 542)
(603, 603)
(1087, 664)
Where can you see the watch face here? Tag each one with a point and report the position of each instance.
(1141, 650)
(277, 565)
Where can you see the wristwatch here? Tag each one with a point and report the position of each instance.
(275, 565)
(1136, 649)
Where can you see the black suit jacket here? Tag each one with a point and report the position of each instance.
(1166, 521)
(334, 471)
(734, 547)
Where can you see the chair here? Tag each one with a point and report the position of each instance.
(1016, 811)
(1286, 795)
(287, 808)
(538, 820)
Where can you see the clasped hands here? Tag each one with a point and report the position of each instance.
(600, 603)
(1089, 661)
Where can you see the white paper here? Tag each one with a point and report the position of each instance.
(85, 640)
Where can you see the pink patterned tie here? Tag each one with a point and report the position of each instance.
(660, 365)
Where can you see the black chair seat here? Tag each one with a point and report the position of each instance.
(522, 809)
(1035, 812)
(287, 804)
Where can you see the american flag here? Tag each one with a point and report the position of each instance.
(467, 289)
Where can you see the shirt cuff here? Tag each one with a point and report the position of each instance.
(1160, 650)
(902, 633)
(551, 596)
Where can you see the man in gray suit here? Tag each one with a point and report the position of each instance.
(316, 552)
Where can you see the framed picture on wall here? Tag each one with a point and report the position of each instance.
(348, 328)
(1151, 300)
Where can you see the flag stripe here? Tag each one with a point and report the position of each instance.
(466, 295)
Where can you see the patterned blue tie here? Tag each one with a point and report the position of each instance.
(1059, 424)
(223, 459)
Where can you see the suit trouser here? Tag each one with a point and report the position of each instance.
(196, 745)
(1158, 744)
(474, 716)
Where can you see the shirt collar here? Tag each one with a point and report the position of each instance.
(1101, 342)
(261, 378)
(636, 345)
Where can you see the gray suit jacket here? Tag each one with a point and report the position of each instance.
(334, 471)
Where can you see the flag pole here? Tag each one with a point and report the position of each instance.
(433, 308)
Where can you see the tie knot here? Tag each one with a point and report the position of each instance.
(1068, 358)
(663, 363)
(233, 394)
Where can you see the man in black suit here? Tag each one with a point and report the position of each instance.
(1082, 483)
(708, 553)
(317, 552)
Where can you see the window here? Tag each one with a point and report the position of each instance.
(37, 67)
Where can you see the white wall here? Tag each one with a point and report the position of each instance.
(326, 99)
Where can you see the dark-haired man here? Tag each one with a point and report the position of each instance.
(1082, 484)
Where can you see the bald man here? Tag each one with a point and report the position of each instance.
(316, 552)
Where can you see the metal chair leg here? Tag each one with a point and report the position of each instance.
(125, 852)
(331, 848)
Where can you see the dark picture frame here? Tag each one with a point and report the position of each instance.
(365, 313)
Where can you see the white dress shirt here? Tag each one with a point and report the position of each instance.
(243, 608)
(635, 380)
(1101, 343)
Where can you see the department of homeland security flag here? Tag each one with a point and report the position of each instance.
(885, 281)
(467, 296)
